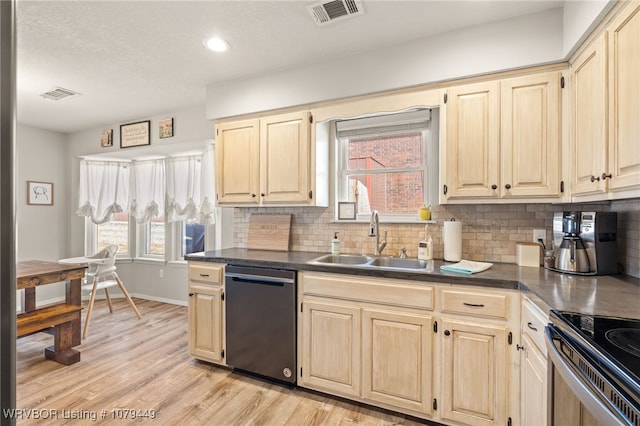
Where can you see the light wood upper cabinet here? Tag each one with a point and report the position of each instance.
(238, 162)
(589, 132)
(331, 347)
(397, 359)
(624, 99)
(284, 156)
(474, 377)
(605, 130)
(472, 146)
(268, 161)
(206, 312)
(530, 141)
(503, 139)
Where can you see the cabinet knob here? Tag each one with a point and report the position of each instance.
(494, 186)
(507, 186)
(605, 176)
(447, 333)
(593, 178)
(190, 294)
(262, 194)
(253, 195)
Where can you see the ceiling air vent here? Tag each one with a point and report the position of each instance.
(59, 93)
(326, 12)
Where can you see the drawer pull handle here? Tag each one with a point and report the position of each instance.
(474, 305)
(204, 275)
(531, 326)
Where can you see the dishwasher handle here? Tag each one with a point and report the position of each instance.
(259, 279)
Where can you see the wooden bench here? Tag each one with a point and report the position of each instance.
(61, 318)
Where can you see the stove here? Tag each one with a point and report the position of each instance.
(601, 355)
(617, 338)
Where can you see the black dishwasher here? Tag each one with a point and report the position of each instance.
(261, 321)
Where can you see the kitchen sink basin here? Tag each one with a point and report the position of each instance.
(396, 262)
(342, 259)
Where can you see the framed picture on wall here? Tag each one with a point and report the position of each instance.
(134, 134)
(106, 140)
(165, 129)
(39, 193)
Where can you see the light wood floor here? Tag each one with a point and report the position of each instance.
(144, 364)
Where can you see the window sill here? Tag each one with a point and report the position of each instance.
(149, 261)
(383, 221)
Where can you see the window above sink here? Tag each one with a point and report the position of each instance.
(388, 163)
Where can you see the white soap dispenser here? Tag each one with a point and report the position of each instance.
(335, 244)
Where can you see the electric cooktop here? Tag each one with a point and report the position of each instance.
(618, 338)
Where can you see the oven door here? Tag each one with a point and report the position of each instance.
(581, 390)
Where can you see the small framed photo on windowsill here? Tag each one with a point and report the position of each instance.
(346, 210)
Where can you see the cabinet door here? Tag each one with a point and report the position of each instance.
(474, 376)
(624, 99)
(533, 390)
(238, 162)
(589, 119)
(530, 159)
(472, 141)
(397, 358)
(285, 158)
(205, 322)
(331, 347)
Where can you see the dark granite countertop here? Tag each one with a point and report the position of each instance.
(613, 295)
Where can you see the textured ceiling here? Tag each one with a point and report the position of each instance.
(135, 59)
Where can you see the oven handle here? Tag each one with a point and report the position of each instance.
(582, 391)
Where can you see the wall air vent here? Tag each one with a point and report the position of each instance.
(326, 12)
(59, 93)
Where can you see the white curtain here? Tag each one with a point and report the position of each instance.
(104, 189)
(190, 188)
(147, 190)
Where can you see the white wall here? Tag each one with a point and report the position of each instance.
(579, 20)
(42, 231)
(524, 41)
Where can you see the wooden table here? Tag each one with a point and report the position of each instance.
(62, 318)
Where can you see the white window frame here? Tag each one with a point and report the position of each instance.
(429, 167)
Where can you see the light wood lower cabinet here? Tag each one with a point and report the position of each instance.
(391, 344)
(474, 376)
(397, 359)
(206, 312)
(331, 347)
(533, 394)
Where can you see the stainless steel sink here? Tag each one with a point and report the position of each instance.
(342, 259)
(396, 262)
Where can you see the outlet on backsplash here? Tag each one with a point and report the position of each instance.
(540, 234)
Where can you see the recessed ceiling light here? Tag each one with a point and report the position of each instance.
(216, 44)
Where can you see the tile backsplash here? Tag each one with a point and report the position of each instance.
(489, 231)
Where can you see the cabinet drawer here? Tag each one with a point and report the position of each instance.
(534, 321)
(493, 305)
(387, 292)
(212, 273)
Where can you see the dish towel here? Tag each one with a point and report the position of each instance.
(467, 267)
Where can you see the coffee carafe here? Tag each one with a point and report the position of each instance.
(572, 255)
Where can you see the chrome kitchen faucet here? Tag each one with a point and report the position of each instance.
(374, 224)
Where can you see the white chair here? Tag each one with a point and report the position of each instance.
(101, 275)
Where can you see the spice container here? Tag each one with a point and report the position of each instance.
(549, 259)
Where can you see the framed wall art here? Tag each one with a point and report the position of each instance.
(165, 129)
(39, 193)
(134, 134)
(346, 210)
(106, 140)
